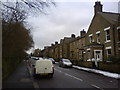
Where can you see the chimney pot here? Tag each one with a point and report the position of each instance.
(73, 35)
(97, 7)
(56, 42)
(82, 33)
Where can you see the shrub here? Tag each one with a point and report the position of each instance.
(114, 59)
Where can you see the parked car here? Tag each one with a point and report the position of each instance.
(42, 68)
(65, 63)
(33, 60)
(53, 61)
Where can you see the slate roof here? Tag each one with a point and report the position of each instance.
(111, 17)
(67, 40)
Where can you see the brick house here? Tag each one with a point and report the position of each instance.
(102, 38)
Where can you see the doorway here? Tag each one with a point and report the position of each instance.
(97, 57)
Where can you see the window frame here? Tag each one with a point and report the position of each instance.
(107, 35)
(98, 36)
(91, 38)
(109, 48)
(118, 28)
(108, 52)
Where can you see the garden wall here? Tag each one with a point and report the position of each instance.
(111, 67)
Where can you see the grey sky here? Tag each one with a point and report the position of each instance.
(65, 19)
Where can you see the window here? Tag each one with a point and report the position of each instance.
(90, 39)
(89, 54)
(107, 35)
(119, 52)
(119, 34)
(98, 38)
(98, 52)
(82, 54)
(108, 52)
(107, 32)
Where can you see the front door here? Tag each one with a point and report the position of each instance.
(98, 55)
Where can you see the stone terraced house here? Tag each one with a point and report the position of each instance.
(101, 40)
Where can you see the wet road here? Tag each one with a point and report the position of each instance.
(63, 78)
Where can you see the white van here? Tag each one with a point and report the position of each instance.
(43, 67)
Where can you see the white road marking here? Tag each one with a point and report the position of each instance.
(77, 78)
(69, 75)
(57, 70)
(96, 87)
(73, 77)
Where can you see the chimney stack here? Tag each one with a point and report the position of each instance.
(56, 42)
(52, 44)
(72, 35)
(82, 33)
(97, 7)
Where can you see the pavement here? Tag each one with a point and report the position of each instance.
(20, 78)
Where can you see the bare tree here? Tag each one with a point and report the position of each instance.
(19, 10)
(16, 38)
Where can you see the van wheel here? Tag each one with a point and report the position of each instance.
(34, 73)
(51, 75)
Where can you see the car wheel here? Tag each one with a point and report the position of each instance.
(63, 66)
(59, 65)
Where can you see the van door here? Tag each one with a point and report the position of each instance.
(44, 67)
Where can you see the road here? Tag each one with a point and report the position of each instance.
(63, 78)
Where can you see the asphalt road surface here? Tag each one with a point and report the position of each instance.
(62, 78)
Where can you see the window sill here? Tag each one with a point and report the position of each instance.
(107, 41)
(98, 42)
(89, 60)
(118, 42)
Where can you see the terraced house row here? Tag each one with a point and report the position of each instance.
(100, 41)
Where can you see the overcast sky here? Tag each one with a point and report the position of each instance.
(63, 20)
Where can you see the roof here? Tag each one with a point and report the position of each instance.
(111, 17)
(67, 40)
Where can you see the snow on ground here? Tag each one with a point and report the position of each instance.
(108, 74)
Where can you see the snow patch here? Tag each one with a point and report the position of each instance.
(108, 74)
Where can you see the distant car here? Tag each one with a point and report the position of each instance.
(65, 63)
(35, 58)
(43, 67)
(53, 61)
